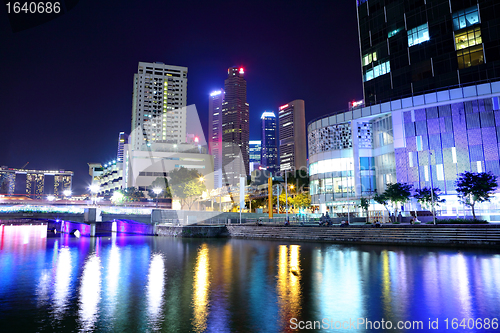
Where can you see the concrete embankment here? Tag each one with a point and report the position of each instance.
(192, 231)
(421, 235)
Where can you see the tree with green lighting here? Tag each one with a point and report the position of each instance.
(187, 185)
(161, 183)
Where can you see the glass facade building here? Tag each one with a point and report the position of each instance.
(410, 47)
(235, 127)
(425, 140)
(255, 147)
(215, 133)
(269, 152)
(292, 136)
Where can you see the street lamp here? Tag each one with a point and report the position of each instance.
(51, 198)
(67, 193)
(157, 191)
(94, 188)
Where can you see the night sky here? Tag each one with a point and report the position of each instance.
(66, 85)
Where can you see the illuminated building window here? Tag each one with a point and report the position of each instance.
(465, 18)
(393, 32)
(471, 56)
(369, 58)
(377, 71)
(468, 38)
(418, 35)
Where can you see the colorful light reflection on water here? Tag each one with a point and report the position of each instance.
(147, 284)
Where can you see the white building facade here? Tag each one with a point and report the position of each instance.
(158, 107)
(425, 140)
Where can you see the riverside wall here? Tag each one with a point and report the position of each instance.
(419, 235)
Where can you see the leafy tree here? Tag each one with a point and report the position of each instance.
(397, 194)
(473, 187)
(131, 194)
(425, 197)
(364, 204)
(187, 185)
(302, 200)
(382, 200)
(162, 183)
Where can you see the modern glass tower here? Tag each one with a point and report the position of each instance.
(255, 147)
(235, 127)
(215, 102)
(292, 136)
(415, 46)
(269, 152)
(122, 141)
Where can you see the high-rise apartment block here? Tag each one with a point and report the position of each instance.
(292, 136)
(159, 101)
(269, 152)
(235, 127)
(215, 133)
(414, 46)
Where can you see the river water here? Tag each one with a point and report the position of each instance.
(146, 284)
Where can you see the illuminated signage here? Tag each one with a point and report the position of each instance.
(215, 93)
(283, 107)
(355, 104)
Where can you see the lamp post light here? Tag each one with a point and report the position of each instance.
(67, 194)
(51, 198)
(94, 188)
(157, 191)
(432, 189)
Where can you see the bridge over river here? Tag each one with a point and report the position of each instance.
(89, 220)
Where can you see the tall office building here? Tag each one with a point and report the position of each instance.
(412, 46)
(122, 141)
(158, 107)
(254, 146)
(269, 152)
(215, 133)
(292, 136)
(235, 127)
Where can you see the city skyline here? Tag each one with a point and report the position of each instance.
(69, 102)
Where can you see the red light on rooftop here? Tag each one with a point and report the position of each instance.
(196, 139)
(241, 70)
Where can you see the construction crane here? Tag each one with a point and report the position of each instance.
(24, 166)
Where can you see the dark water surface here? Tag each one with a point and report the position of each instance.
(145, 284)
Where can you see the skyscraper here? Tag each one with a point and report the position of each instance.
(158, 107)
(292, 136)
(215, 133)
(269, 155)
(235, 126)
(255, 147)
(122, 141)
(409, 47)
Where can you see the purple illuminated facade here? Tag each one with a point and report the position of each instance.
(424, 140)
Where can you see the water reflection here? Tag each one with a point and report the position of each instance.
(288, 282)
(201, 286)
(90, 293)
(155, 290)
(62, 283)
(120, 284)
